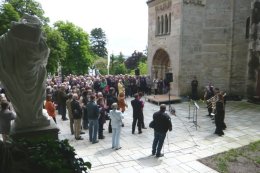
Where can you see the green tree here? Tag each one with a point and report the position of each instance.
(7, 14)
(119, 69)
(57, 47)
(117, 64)
(78, 54)
(120, 58)
(112, 60)
(98, 42)
(101, 65)
(143, 68)
(30, 7)
(132, 62)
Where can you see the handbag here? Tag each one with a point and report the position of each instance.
(151, 124)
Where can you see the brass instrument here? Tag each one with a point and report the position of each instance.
(212, 102)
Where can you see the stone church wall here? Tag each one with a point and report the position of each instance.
(242, 10)
(169, 43)
(207, 39)
(191, 59)
(214, 47)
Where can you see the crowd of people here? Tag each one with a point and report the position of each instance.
(131, 84)
(89, 102)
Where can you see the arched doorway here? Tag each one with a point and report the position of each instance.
(161, 64)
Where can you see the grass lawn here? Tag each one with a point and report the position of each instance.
(241, 160)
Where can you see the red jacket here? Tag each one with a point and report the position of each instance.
(50, 107)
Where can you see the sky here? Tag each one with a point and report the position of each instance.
(125, 22)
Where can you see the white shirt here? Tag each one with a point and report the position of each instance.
(116, 117)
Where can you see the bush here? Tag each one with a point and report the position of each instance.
(52, 156)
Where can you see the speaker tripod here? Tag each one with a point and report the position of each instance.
(171, 109)
(169, 79)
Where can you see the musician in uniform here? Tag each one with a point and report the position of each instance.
(214, 99)
(209, 93)
(220, 114)
(224, 101)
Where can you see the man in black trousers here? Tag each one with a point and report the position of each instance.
(162, 123)
(137, 113)
(194, 88)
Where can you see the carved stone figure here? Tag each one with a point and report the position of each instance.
(23, 58)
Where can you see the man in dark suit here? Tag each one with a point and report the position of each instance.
(77, 115)
(162, 123)
(194, 88)
(93, 115)
(61, 100)
(137, 114)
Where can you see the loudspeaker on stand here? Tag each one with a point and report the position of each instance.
(169, 77)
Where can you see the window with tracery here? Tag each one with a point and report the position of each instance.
(163, 25)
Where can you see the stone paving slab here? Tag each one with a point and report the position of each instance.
(182, 147)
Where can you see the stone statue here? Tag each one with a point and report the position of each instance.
(23, 58)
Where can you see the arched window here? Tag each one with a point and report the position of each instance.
(247, 27)
(170, 23)
(158, 26)
(166, 24)
(162, 25)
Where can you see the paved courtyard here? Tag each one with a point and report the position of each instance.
(183, 146)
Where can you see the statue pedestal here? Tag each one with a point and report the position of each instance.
(48, 132)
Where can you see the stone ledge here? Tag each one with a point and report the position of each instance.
(50, 132)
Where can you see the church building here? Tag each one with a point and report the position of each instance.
(210, 39)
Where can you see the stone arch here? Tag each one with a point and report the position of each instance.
(161, 64)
